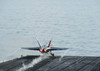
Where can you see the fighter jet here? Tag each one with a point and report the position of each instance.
(45, 49)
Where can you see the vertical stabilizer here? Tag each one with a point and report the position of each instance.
(49, 44)
(39, 44)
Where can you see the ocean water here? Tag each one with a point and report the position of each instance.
(74, 24)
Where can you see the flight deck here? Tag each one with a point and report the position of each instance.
(67, 63)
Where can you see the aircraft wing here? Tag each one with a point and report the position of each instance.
(31, 48)
(56, 48)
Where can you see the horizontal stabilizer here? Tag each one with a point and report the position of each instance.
(31, 48)
(57, 48)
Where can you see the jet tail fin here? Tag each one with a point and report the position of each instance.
(49, 44)
(39, 44)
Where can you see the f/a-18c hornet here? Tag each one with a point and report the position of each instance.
(45, 49)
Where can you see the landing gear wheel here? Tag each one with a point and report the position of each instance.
(52, 54)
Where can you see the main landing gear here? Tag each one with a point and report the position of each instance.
(52, 54)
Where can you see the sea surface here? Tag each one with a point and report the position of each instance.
(73, 24)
